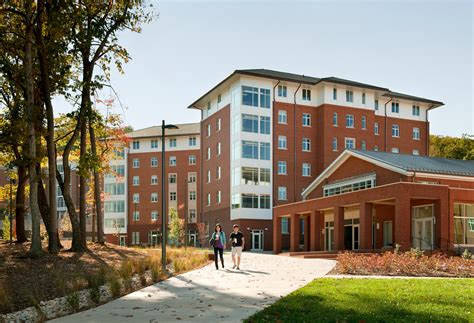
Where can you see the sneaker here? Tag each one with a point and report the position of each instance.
(234, 267)
(238, 268)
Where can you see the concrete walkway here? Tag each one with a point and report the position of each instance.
(208, 295)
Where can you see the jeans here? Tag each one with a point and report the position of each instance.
(221, 254)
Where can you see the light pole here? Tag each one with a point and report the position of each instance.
(12, 181)
(163, 193)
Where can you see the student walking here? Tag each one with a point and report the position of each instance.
(238, 244)
(218, 242)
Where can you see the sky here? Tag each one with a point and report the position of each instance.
(422, 48)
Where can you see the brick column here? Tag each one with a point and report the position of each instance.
(443, 217)
(319, 229)
(313, 236)
(402, 222)
(339, 228)
(276, 234)
(294, 232)
(365, 226)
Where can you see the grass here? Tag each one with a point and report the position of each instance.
(375, 300)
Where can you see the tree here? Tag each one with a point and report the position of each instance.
(6, 228)
(176, 229)
(202, 234)
(452, 147)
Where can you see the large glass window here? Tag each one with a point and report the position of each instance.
(249, 123)
(249, 149)
(284, 226)
(464, 223)
(114, 188)
(114, 206)
(250, 201)
(249, 176)
(264, 201)
(265, 176)
(346, 187)
(250, 96)
(265, 151)
(265, 98)
(265, 125)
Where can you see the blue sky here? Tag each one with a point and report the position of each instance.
(420, 48)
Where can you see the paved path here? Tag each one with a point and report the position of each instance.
(208, 295)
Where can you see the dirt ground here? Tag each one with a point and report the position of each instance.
(25, 282)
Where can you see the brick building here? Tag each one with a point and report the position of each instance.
(266, 135)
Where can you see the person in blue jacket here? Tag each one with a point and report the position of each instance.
(218, 242)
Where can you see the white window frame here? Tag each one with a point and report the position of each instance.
(306, 170)
(282, 114)
(349, 139)
(395, 131)
(135, 163)
(154, 180)
(306, 120)
(282, 191)
(306, 145)
(135, 180)
(416, 133)
(172, 161)
(283, 142)
(281, 167)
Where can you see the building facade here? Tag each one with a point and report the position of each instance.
(266, 135)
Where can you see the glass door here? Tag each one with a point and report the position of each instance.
(257, 240)
(329, 236)
(423, 227)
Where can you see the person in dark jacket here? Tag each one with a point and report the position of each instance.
(218, 242)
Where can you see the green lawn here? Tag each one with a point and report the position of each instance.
(375, 300)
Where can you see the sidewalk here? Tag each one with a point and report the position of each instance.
(210, 295)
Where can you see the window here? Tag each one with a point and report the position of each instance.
(136, 198)
(136, 180)
(219, 99)
(249, 149)
(135, 237)
(282, 193)
(218, 124)
(172, 178)
(282, 116)
(250, 201)
(209, 105)
(114, 188)
(172, 160)
(154, 161)
(415, 110)
(416, 133)
(120, 153)
(350, 143)
(349, 96)
(463, 223)
(306, 144)
(363, 145)
(154, 180)
(208, 199)
(363, 98)
(208, 153)
(136, 144)
(306, 169)
(249, 123)
(376, 128)
(191, 177)
(249, 176)
(284, 226)
(416, 152)
(172, 142)
(282, 91)
(208, 175)
(376, 105)
(265, 98)
(208, 130)
(334, 144)
(116, 171)
(306, 119)
(136, 215)
(154, 215)
(265, 125)
(172, 196)
(192, 196)
(376, 148)
(264, 201)
(364, 122)
(218, 149)
(114, 206)
(264, 177)
(281, 142)
(334, 94)
(395, 150)
(282, 168)
(154, 143)
(135, 163)
(349, 186)
(306, 95)
(250, 96)
(154, 197)
(264, 151)
(192, 160)
(192, 141)
(395, 107)
(218, 197)
(349, 121)
(192, 216)
(218, 172)
(395, 130)
(334, 119)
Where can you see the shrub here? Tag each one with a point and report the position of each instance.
(115, 286)
(466, 254)
(156, 274)
(126, 269)
(5, 302)
(95, 295)
(73, 301)
(143, 280)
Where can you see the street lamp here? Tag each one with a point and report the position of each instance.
(10, 216)
(163, 192)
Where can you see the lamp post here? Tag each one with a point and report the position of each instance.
(12, 181)
(163, 194)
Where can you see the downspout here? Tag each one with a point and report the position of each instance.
(201, 167)
(385, 125)
(273, 140)
(294, 142)
(428, 132)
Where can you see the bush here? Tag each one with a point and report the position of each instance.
(73, 301)
(126, 269)
(466, 254)
(410, 263)
(5, 302)
(95, 295)
(115, 286)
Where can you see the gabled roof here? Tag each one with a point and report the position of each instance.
(155, 131)
(407, 165)
(311, 80)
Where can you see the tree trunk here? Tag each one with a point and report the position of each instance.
(36, 248)
(82, 182)
(97, 195)
(51, 149)
(20, 205)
